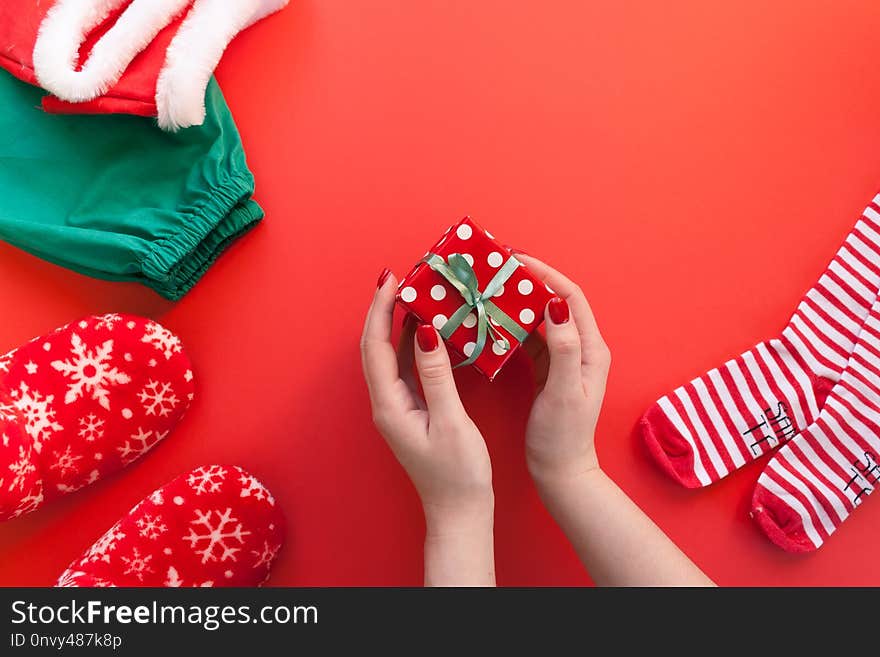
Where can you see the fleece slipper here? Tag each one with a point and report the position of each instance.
(84, 401)
(214, 526)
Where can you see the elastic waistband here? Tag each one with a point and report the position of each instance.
(176, 263)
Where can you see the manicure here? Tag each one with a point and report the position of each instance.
(427, 338)
(383, 277)
(514, 250)
(558, 310)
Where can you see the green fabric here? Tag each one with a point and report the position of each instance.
(114, 197)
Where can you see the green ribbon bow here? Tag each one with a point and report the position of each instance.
(461, 276)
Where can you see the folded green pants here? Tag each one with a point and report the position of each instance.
(116, 198)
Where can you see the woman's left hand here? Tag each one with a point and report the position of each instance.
(434, 440)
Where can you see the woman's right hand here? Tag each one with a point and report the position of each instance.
(615, 540)
(561, 427)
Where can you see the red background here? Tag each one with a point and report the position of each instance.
(693, 165)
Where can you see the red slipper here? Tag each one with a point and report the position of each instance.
(84, 401)
(214, 526)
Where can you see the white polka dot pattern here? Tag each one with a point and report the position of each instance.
(427, 295)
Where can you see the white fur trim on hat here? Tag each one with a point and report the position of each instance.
(66, 26)
(195, 52)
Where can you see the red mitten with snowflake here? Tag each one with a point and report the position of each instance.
(84, 401)
(214, 526)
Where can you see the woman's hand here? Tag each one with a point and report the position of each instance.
(434, 440)
(559, 435)
(618, 544)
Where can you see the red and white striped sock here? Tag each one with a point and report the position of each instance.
(735, 413)
(813, 483)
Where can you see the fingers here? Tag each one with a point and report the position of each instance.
(406, 357)
(593, 348)
(378, 356)
(65, 28)
(195, 52)
(595, 355)
(435, 373)
(564, 344)
(536, 347)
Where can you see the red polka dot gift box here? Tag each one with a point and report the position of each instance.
(482, 300)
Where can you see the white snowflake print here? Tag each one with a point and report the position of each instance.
(91, 427)
(21, 469)
(65, 462)
(251, 487)
(31, 502)
(71, 579)
(7, 411)
(206, 479)
(156, 498)
(139, 444)
(91, 371)
(137, 564)
(162, 339)
(265, 555)
(158, 398)
(102, 548)
(150, 526)
(94, 475)
(5, 359)
(108, 321)
(31, 367)
(216, 537)
(173, 580)
(39, 416)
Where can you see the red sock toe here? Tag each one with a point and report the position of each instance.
(668, 448)
(93, 397)
(779, 522)
(214, 526)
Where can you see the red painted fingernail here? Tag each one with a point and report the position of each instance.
(515, 250)
(558, 310)
(383, 277)
(427, 338)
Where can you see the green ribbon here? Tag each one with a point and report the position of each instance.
(461, 276)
